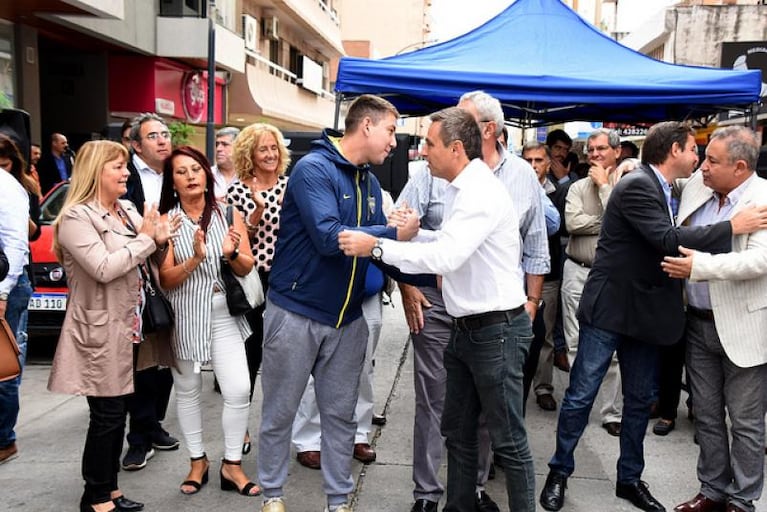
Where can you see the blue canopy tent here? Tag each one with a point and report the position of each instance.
(546, 64)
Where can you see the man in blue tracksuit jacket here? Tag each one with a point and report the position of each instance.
(313, 321)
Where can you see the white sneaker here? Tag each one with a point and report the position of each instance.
(273, 505)
(343, 507)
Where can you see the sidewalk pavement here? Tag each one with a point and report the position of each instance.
(51, 433)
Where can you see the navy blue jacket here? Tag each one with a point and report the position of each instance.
(326, 194)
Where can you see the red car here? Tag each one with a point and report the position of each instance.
(49, 300)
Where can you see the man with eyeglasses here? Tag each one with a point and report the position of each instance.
(150, 141)
(584, 207)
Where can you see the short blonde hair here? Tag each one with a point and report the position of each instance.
(246, 143)
(85, 182)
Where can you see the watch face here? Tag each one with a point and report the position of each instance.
(376, 253)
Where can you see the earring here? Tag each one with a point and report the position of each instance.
(174, 193)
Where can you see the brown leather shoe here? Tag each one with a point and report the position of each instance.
(8, 453)
(364, 453)
(613, 428)
(309, 459)
(700, 503)
(561, 361)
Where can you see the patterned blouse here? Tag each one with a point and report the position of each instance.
(269, 226)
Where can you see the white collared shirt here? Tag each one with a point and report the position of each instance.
(221, 184)
(14, 228)
(151, 181)
(477, 250)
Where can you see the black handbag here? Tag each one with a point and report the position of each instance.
(236, 300)
(158, 313)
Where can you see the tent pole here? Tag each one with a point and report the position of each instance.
(337, 115)
(754, 112)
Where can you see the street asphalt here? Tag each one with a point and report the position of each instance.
(51, 433)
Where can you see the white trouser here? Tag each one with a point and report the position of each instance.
(306, 427)
(231, 369)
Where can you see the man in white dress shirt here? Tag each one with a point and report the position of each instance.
(726, 324)
(477, 252)
(224, 172)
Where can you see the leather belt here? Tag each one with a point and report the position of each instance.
(474, 322)
(703, 314)
(580, 263)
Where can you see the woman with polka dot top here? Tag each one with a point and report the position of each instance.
(260, 158)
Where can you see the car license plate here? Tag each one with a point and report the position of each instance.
(48, 302)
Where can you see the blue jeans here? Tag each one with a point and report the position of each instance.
(16, 315)
(638, 365)
(484, 373)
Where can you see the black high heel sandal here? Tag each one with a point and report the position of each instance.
(246, 444)
(229, 485)
(192, 483)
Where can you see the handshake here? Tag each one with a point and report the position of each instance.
(357, 243)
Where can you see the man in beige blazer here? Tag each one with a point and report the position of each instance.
(726, 325)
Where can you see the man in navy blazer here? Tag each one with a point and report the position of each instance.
(630, 305)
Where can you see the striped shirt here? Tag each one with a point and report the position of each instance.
(191, 299)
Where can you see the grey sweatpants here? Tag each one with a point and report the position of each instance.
(294, 348)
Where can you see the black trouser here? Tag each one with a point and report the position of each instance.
(103, 444)
(670, 378)
(531, 364)
(148, 403)
(254, 343)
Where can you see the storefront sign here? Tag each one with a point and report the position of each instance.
(193, 96)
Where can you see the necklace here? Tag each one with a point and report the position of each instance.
(192, 219)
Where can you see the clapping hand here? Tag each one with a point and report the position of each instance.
(231, 242)
(167, 227)
(200, 250)
(151, 218)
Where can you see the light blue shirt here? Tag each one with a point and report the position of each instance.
(710, 213)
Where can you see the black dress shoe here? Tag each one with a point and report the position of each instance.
(639, 495)
(484, 503)
(123, 504)
(422, 505)
(613, 428)
(553, 493)
(663, 427)
(379, 420)
(546, 402)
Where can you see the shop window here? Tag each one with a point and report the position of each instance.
(7, 72)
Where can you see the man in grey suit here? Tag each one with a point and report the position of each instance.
(726, 322)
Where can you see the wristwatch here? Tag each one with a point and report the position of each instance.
(377, 251)
(4, 297)
(535, 300)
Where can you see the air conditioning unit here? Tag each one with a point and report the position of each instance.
(271, 28)
(250, 32)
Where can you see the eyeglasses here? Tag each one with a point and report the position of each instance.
(157, 135)
(599, 149)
